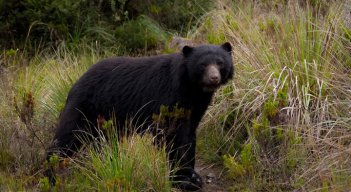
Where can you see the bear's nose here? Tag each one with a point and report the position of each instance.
(214, 79)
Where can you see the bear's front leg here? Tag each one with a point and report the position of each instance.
(181, 154)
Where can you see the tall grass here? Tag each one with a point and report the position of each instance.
(116, 164)
(284, 122)
(133, 164)
(34, 93)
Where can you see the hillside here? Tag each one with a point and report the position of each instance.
(282, 124)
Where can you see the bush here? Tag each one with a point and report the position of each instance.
(178, 15)
(54, 21)
(27, 23)
(141, 33)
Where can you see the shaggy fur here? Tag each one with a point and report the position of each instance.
(136, 88)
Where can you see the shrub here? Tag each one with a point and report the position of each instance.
(142, 33)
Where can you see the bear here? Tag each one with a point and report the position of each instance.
(138, 88)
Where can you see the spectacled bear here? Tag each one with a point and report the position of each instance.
(139, 88)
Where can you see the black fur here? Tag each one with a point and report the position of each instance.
(137, 88)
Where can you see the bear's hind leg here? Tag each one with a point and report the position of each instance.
(65, 144)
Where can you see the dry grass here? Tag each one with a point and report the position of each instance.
(282, 124)
(290, 99)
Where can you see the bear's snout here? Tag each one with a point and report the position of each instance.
(212, 75)
(212, 78)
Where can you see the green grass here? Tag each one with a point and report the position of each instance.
(133, 164)
(287, 101)
(282, 124)
(35, 91)
(35, 95)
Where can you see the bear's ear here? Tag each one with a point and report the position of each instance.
(226, 46)
(187, 50)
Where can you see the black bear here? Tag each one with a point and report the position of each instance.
(138, 88)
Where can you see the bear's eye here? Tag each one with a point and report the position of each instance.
(220, 63)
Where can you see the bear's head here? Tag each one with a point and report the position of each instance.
(209, 66)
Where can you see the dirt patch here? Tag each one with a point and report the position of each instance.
(212, 176)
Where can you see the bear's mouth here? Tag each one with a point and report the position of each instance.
(210, 87)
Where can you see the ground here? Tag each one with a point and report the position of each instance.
(212, 175)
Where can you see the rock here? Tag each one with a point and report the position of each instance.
(210, 177)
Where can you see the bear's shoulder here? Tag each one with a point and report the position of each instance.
(117, 64)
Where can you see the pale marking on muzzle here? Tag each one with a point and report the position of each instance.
(212, 78)
(212, 75)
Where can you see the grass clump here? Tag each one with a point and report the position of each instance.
(133, 164)
(34, 92)
(116, 164)
(288, 98)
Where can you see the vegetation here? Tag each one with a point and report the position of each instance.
(36, 24)
(133, 164)
(282, 124)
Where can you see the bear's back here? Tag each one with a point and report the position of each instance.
(127, 84)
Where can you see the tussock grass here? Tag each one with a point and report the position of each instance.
(34, 93)
(116, 164)
(282, 124)
(290, 100)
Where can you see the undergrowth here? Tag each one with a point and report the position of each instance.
(127, 164)
(282, 124)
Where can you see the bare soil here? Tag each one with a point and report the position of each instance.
(212, 177)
